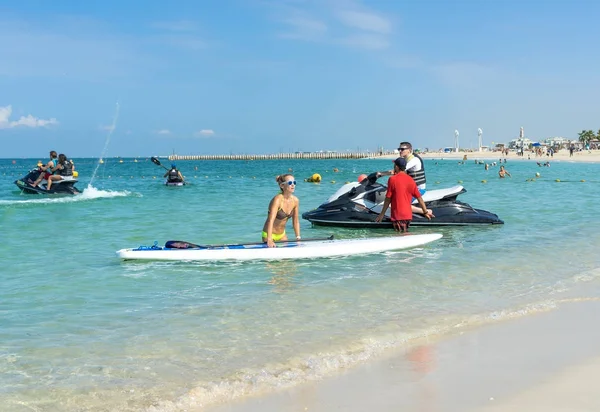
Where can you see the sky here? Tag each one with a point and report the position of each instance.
(150, 77)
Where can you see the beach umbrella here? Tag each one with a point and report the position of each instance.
(536, 144)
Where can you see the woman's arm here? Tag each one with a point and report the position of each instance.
(273, 206)
(48, 166)
(296, 220)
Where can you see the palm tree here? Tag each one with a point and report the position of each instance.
(586, 135)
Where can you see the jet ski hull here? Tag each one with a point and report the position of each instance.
(59, 187)
(167, 183)
(449, 215)
(358, 205)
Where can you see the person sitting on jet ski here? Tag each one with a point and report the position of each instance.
(64, 170)
(46, 170)
(174, 175)
(415, 167)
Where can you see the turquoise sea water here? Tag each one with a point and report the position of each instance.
(82, 331)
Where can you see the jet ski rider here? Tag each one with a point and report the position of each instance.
(46, 170)
(64, 170)
(174, 175)
(414, 166)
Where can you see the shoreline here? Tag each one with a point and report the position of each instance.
(592, 156)
(547, 362)
(560, 156)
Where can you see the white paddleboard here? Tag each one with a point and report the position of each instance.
(287, 250)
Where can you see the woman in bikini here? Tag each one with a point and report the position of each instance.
(282, 207)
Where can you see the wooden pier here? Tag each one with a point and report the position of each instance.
(282, 156)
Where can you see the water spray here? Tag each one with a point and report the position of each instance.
(112, 128)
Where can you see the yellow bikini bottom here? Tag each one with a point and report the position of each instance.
(276, 237)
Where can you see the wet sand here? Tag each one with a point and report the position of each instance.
(543, 362)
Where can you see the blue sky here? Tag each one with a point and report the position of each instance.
(265, 76)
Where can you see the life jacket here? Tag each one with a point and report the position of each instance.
(67, 169)
(54, 163)
(174, 175)
(417, 175)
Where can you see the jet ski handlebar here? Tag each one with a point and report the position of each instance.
(372, 178)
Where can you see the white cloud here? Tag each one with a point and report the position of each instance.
(26, 121)
(343, 23)
(365, 21)
(164, 132)
(205, 133)
(181, 34)
(304, 28)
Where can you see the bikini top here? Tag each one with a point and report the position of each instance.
(281, 215)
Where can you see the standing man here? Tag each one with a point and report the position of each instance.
(401, 190)
(415, 167)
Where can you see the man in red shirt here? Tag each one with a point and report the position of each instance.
(401, 191)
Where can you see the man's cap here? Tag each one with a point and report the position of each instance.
(401, 163)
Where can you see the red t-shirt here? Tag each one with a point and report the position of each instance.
(401, 189)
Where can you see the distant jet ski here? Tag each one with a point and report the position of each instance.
(62, 187)
(358, 204)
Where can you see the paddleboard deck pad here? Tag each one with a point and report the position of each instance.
(302, 249)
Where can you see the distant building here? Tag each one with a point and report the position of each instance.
(518, 143)
(556, 141)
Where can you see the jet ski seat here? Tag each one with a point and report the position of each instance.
(377, 196)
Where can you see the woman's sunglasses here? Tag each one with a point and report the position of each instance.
(291, 182)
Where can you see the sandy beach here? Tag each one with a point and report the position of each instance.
(561, 155)
(545, 362)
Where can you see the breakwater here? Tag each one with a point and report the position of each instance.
(278, 156)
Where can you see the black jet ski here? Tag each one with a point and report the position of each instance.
(358, 204)
(62, 187)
